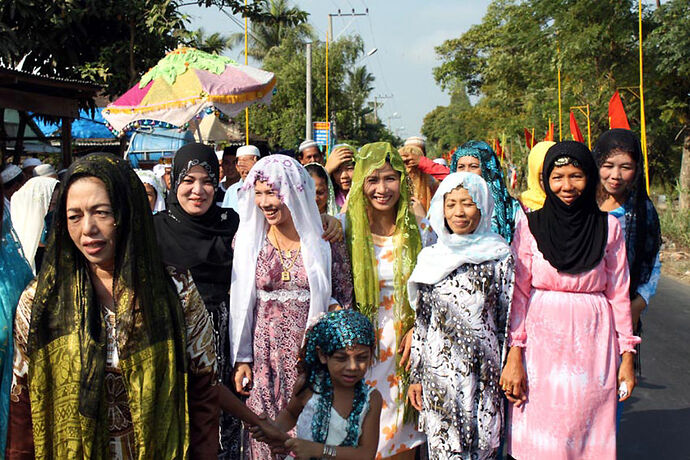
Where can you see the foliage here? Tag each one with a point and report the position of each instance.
(214, 43)
(675, 226)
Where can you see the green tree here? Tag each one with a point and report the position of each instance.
(214, 43)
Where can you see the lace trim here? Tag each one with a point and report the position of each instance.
(283, 295)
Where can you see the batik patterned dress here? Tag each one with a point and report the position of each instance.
(457, 356)
(280, 320)
(395, 436)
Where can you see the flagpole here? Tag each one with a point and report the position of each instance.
(589, 130)
(643, 123)
(246, 62)
(560, 113)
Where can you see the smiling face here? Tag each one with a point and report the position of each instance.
(567, 182)
(91, 221)
(461, 212)
(321, 193)
(275, 211)
(347, 366)
(617, 173)
(343, 176)
(195, 192)
(469, 164)
(382, 188)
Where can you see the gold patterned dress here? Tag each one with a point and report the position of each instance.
(202, 366)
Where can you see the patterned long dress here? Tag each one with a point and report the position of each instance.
(457, 355)
(280, 319)
(395, 437)
(572, 329)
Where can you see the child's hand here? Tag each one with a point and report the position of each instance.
(267, 431)
(414, 394)
(302, 449)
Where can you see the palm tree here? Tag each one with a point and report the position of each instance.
(214, 43)
(278, 22)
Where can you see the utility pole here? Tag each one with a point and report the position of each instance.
(341, 14)
(307, 125)
(376, 104)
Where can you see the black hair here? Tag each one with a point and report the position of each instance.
(318, 170)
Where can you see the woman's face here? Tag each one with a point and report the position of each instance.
(91, 221)
(617, 173)
(195, 192)
(469, 164)
(382, 188)
(567, 182)
(461, 212)
(343, 176)
(321, 193)
(151, 195)
(275, 211)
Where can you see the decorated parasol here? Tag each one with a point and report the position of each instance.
(185, 84)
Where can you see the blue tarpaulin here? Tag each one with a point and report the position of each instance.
(156, 144)
(84, 127)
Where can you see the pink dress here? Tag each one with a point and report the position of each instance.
(573, 329)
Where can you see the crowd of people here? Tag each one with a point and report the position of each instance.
(367, 304)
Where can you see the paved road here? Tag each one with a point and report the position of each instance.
(656, 419)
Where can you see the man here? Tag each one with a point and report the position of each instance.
(12, 180)
(28, 166)
(45, 170)
(416, 141)
(228, 166)
(246, 155)
(309, 152)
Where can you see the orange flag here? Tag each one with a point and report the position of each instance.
(549, 134)
(529, 140)
(498, 149)
(617, 116)
(575, 129)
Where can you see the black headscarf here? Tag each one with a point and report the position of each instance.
(642, 229)
(572, 237)
(201, 244)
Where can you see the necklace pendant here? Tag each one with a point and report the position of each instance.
(288, 254)
(285, 276)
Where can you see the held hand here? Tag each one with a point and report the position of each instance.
(626, 373)
(513, 380)
(302, 449)
(332, 230)
(405, 348)
(414, 394)
(243, 371)
(269, 432)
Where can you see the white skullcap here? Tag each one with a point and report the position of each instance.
(10, 172)
(28, 162)
(415, 140)
(307, 144)
(248, 150)
(441, 161)
(44, 170)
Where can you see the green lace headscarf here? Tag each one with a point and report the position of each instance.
(408, 241)
(67, 345)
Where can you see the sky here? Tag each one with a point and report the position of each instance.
(404, 32)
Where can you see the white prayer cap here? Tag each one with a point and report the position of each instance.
(415, 140)
(45, 170)
(307, 144)
(10, 172)
(441, 161)
(31, 161)
(248, 150)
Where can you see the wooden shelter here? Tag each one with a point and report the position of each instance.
(37, 95)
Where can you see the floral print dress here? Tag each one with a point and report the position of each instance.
(458, 348)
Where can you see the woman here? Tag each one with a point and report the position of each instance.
(479, 158)
(341, 165)
(570, 319)
(15, 274)
(533, 198)
(155, 191)
(384, 241)
(30, 205)
(325, 197)
(289, 275)
(423, 185)
(623, 194)
(195, 235)
(110, 349)
(461, 290)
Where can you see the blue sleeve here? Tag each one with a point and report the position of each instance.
(648, 289)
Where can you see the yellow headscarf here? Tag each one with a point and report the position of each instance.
(533, 198)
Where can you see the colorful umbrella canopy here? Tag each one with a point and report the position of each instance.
(185, 83)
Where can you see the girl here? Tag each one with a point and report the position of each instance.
(461, 289)
(336, 412)
(384, 241)
(341, 165)
(325, 197)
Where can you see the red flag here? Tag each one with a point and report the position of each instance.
(549, 134)
(529, 140)
(617, 116)
(575, 129)
(498, 149)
